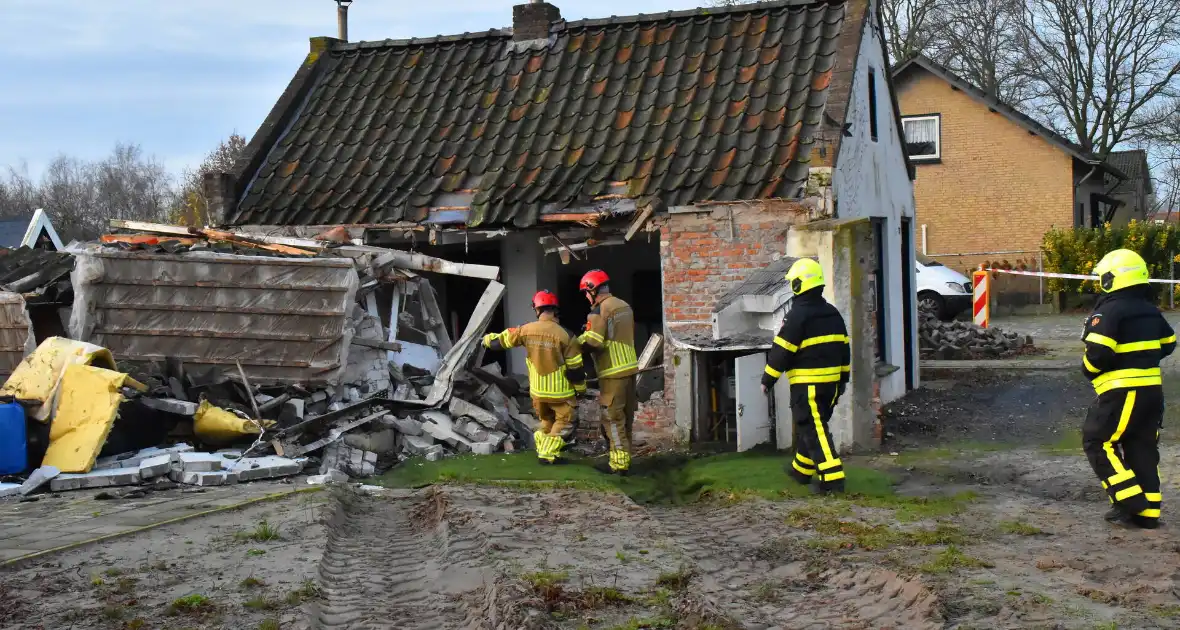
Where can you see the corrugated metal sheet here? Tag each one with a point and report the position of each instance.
(284, 319)
(16, 333)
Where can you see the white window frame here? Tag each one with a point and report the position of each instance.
(937, 118)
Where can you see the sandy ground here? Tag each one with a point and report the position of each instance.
(1022, 546)
(199, 573)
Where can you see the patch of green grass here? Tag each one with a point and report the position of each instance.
(917, 457)
(1166, 611)
(543, 579)
(306, 591)
(189, 604)
(112, 612)
(1020, 528)
(840, 533)
(256, 552)
(676, 580)
(112, 572)
(260, 603)
(135, 624)
(251, 582)
(950, 559)
(766, 591)
(622, 557)
(1070, 443)
(262, 532)
(644, 623)
(601, 596)
(672, 478)
(269, 624)
(909, 509)
(96, 581)
(126, 585)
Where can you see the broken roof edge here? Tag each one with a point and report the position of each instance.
(566, 25)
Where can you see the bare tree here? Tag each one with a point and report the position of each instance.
(81, 197)
(1101, 68)
(979, 40)
(192, 207)
(911, 26)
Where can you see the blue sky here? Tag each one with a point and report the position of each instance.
(177, 76)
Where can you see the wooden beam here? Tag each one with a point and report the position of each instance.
(637, 224)
(154, 228)
(255, 242)
(391, 346)
(586, 245)
(461, 353)
(655, 344)
(422, 262)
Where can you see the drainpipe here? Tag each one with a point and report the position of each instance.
(923, 239)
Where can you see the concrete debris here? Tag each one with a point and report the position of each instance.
(330, 477)
(95, 479)
(268, 467)
(157, 466)
(417, 445)
(459, 407)
(352, 461)
(134, 459)
(407, 426)
(223, 478)
(197, 462)
(964, 340)
(9, 489)
(38, 478)
(171, 405)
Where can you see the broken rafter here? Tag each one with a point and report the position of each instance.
(587, 245)
(637, 224)
(392, 258)
(219, 235)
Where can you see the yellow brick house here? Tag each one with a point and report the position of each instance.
(990, 180)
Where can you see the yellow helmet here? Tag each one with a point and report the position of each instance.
(1120, 269)
(804, 275)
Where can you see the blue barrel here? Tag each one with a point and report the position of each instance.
(13, 454)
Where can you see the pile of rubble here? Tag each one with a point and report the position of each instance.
(162, 422)
(965, 340)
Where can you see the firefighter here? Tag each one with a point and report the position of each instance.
(556, 374)
(610, 334)
(1126, 337)
(812, 350)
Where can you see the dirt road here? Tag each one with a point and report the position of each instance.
(996, 524)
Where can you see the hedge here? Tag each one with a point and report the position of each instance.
(1078, 250)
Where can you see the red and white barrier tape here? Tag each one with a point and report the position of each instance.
(1067, 276)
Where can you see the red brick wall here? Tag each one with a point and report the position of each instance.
(704, 255)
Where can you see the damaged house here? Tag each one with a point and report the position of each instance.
(679, 152)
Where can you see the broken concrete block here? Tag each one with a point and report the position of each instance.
(417, 444)
(355, 462)
(460, 407)
(292, 412)
(524, 425)
(266, 467)
(336, 406)
(509, 446)
(497, 437)
(494, 398)
(330, 477)
(381, 441)
(170, 405)
(223, 478)
(134, 459)
(157, 466)
(319, 396)
(38, 478)
(197, 462)
(95, 479)
(9, 489)
(407, 426)
(483, 448)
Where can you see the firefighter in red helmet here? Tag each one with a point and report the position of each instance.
(556, 376)
(610, 335)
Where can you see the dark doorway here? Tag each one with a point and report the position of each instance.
(879, 288)
(907, 265)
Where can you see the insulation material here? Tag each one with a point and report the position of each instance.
(216, 426)
(36, 380)
(16, 332)
(284, 319)
(90, 398)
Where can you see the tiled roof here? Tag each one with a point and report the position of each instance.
(1134, 164)
(12, 230)
(686, 107)
(39, 273)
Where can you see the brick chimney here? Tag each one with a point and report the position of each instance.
(531, 21)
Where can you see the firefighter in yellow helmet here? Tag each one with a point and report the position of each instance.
(812, 350)
(556, 374)
(1126, 337)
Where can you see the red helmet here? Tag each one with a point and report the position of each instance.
(593, 279)
(544, 298)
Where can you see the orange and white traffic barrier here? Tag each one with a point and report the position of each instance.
(980, 311)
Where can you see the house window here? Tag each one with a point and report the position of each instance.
(923, 139)
(873, 104)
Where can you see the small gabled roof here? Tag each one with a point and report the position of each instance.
(25, 230)
(1011, 113)
(1134, 164)
(707, 105)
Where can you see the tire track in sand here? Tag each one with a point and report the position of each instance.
(723, 545)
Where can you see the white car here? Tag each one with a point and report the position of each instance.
(942, 289)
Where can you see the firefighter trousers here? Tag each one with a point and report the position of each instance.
(815, 452)
(619, 402)
(1121, 440)
(555, 417)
